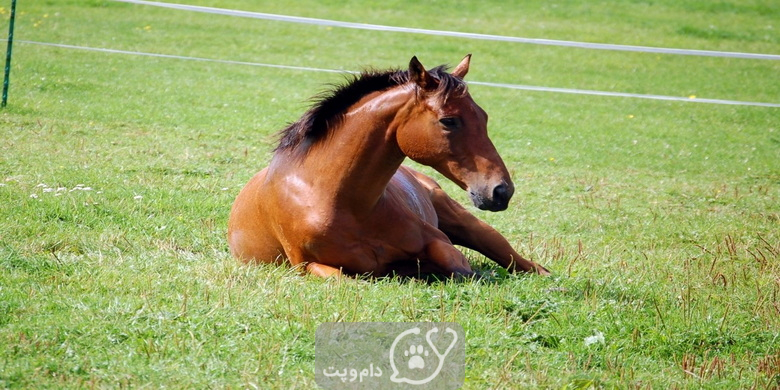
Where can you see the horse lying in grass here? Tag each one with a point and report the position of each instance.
(336, 200)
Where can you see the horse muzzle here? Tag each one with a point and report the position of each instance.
(493, 199)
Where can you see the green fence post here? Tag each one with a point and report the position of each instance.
(8, 53)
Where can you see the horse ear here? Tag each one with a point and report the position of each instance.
(418, 74)
(462, 68)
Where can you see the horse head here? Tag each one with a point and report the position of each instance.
(445, 129)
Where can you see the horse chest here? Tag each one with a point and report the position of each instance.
(405, 195)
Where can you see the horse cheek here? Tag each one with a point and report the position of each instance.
(422, 147)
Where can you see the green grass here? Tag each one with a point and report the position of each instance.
(660, 220)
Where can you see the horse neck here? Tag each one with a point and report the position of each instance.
(354, 163)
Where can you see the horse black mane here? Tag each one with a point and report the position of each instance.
(330, 106)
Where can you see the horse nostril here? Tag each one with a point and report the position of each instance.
(501, 193)
(499, 200)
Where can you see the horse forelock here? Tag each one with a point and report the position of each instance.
(330, 106)
(448, 85)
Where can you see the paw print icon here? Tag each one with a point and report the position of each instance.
(416, 360)
(418, 367)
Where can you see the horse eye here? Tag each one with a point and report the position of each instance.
(450, 123)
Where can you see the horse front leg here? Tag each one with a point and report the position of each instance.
(465, 229)
(445, 258)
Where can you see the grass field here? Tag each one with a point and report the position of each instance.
(660, 220)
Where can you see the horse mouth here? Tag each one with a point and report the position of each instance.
(490, 205)
(498, 201)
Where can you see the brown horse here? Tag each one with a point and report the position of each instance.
(335, 198)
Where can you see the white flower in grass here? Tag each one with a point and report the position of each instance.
(80, 187)
(597, 338)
